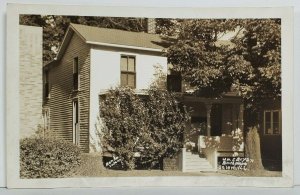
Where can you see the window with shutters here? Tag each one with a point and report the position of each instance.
(128, 71)
(272, 122)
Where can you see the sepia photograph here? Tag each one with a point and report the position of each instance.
(111, 97)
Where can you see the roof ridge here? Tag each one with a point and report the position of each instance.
(116, 29)
(111, 37)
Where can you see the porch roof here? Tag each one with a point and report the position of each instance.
(226, 98)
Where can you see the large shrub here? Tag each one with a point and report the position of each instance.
(151, 124)
(47, 157)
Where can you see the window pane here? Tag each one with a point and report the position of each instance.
(75, 65)
(123, 63)
(131, 64)
(268, 129)
(268, 117)
(131, 80)
(276, 128)
(276, 117)
(123, 79)
(75, 81)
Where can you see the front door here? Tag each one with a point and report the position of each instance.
(216, 120)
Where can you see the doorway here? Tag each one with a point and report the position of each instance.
(76, 129)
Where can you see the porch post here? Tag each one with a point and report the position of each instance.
(241, 117)
(208, 122)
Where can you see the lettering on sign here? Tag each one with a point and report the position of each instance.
(233, 163)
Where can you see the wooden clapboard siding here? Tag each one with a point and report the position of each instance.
(84, 96)
(62, 93)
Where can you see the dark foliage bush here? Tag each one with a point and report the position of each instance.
(149, 126)
(47, 157)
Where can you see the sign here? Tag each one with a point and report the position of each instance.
(233, 163)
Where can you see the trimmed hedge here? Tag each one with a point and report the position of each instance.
(47, 157)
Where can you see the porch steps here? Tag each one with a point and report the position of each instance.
(194, 163)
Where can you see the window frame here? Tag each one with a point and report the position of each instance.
(127, 72)
(272, 122)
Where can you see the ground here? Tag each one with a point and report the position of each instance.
(256, 173)
(91, 166)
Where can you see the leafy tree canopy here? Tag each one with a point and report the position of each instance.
(248, 62)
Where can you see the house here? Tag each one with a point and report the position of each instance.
(270, 130)
(92, 60)
(30, 79)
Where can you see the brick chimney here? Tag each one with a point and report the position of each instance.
(151, 25)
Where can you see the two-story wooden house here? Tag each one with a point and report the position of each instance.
(92, 60)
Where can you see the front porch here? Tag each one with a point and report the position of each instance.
(215, 130)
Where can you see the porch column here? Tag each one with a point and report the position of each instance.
(241, 117)
(208, 122)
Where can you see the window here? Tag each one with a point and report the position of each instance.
(174, 83)
(272, 122)
(75, 73)
(128, 74)
(46, 84)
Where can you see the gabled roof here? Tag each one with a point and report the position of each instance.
(118, 37)
(112, 37)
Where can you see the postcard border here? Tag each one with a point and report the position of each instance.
(12, 95)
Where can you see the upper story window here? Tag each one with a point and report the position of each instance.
(46, 84)
(75, 73)
(272, 122)
(128, 71)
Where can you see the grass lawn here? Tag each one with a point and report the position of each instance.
(91, 166)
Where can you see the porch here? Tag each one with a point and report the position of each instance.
(215, 130)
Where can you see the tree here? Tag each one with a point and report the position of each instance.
(152, 125)
(168, 119)
(199, 59)
(253, 149)
(249, 62)
(260, 47)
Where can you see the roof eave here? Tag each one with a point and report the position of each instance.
(71, 30)
(49, 64)
(124, 46)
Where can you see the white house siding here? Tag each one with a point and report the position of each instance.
(105, 74)
(30, 58)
